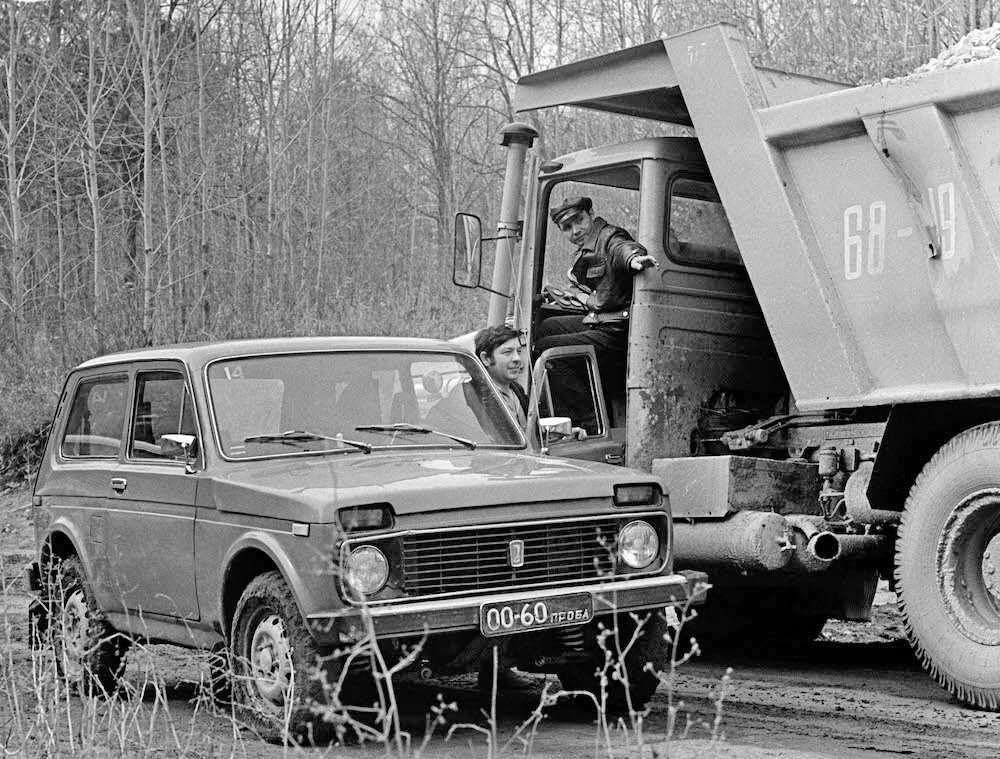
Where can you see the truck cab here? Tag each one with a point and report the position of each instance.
(696, 318)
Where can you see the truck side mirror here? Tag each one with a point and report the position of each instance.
(468, 264)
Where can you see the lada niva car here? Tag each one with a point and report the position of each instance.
(285, 499)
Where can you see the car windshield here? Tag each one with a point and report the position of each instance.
(354, 402)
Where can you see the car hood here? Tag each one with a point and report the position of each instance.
(313, 488)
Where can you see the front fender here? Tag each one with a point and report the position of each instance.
(308, 571)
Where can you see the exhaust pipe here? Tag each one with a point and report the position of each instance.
(863, 550)
(856, 503)
(748, 540)
(815, 548)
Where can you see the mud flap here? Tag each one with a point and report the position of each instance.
(38, 613)
(38, 624)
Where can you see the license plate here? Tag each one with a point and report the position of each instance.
(519, 616)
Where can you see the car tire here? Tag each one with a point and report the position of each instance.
(602, 676)
(274, 660)
(948, 566)
(89, 653)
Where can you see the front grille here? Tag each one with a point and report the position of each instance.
(477, 559)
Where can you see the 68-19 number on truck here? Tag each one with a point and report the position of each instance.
(865, 231)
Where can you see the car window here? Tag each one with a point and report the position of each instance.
(309, 403)
(162, 406)
(96, 418)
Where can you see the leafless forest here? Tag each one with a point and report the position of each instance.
(195, 169)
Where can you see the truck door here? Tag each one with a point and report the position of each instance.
(565, 383)
(151, 513)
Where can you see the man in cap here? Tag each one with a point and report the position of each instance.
(606, 260)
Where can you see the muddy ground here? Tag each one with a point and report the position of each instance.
(856, 692)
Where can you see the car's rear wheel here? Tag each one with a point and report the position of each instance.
(623, 683)
(275, 662)
(89, 653)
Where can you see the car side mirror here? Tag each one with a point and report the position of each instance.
(468, 263)
(176, 445)
(556, 427)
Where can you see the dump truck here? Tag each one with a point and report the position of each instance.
(811, 367)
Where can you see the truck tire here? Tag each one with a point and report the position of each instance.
(274, 659)
(650, 648)
(948, 566)
(89, 653)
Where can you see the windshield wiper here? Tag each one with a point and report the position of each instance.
(406, 427)
(298, 437)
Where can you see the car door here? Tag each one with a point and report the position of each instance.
(85, 466)
(150, 540)
(574, 365)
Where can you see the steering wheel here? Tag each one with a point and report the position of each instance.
(564, 300)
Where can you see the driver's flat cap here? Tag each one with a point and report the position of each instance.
(570, 207)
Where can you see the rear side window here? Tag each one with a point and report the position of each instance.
(162, 406)
(96, 418)
(698, 230)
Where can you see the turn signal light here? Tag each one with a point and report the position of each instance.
(377, 516)
(637, 495)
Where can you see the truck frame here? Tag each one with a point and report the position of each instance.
(809, 371)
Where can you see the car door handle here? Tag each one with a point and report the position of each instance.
(118, 484)
(615, 458)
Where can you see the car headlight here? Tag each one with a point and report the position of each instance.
(367, 570)
(638, 544)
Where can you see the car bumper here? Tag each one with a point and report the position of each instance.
(439, 615)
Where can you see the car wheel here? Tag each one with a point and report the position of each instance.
(948, 566)
(275, 660)
(622, 685)
(89, 653)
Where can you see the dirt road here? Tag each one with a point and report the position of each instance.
(855, 693)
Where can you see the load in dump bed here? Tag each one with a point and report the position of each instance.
(809, 368)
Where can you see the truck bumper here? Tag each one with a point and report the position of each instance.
(440, 615)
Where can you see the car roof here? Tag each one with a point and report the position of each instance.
(204, 352)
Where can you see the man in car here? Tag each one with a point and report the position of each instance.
(501, 351)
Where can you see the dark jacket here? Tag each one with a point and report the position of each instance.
(602, 264)
(522, 396)
(486, 406)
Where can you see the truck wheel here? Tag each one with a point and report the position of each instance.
(948, 566)
(88, 651)
(649, 648)
(274, 659)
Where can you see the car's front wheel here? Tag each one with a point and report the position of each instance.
(275, 662)
(89, 654)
